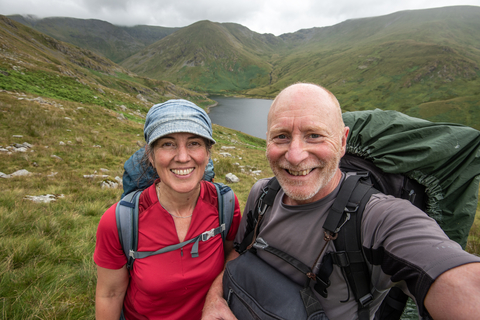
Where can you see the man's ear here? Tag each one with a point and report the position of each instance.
(344, 139)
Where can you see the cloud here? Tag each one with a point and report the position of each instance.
(263, 16)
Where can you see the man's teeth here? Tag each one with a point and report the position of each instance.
(182, 172)
(299, 173)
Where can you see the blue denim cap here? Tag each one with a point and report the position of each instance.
(174, 116)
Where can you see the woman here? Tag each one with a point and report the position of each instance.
(177, 207)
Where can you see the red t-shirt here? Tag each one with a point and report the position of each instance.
(171, 285)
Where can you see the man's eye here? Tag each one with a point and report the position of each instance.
(281, 136)
(315, 136)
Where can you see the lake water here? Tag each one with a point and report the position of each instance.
(245, 115)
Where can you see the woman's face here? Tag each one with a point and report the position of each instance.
(180, 160)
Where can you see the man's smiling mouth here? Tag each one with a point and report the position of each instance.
(299, 173)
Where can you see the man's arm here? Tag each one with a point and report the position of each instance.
(455, 294)
(216, 308)
(111, 288)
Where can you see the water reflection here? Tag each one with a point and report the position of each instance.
(245, 115)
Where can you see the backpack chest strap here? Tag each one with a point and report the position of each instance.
(207, 235)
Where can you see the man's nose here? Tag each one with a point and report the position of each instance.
(296, 152)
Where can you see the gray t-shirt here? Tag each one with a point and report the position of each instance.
(407, 248)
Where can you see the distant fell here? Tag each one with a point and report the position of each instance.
(37, 64)
(113, 42)
(425, 63)
(208, 56)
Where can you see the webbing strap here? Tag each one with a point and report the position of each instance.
(349, 255)
(226, 206)
(336, 212)
(297, 264)
(194, 252)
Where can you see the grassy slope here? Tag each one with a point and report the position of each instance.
(407, 61)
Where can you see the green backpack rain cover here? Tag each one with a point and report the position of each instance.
(442, 157)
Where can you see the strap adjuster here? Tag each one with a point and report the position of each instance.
(365, 300)
(260, 244)
(340, 258)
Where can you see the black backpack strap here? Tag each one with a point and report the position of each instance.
(348, 207)
(265, 200)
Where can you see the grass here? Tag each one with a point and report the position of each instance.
(46, 264)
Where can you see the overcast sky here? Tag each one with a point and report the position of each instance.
(262, 16)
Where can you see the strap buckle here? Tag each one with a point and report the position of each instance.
(208, 234)
(260, 244)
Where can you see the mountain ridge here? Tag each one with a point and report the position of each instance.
(414, 61)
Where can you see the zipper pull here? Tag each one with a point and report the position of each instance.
(181, 252)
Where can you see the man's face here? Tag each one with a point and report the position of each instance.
(305, 141)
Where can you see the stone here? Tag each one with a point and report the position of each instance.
(21, 173)
(225, 154)
(61, 143)
(56, 157)
(93, 176)
(109, 184)
(47, 198)
(17, 136)
(226, 148)
(119, 180)
(231, 178)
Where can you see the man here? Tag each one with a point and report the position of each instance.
(306, 138)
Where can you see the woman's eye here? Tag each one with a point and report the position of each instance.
(167, 145)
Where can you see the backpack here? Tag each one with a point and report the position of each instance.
(126, 212)
(436, 166)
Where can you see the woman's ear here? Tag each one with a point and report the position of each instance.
(149, 153)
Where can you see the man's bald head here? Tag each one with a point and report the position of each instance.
(311, 95)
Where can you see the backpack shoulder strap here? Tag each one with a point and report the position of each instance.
(344, 219)
(226, 207)
(126, 215)
(265, 200)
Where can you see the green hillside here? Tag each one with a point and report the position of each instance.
(206, 56)
(424, 63)
(113, 42)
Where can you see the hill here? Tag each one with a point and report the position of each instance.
(424, 63)
(113, 42)
(35, 63)
(208, 56)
